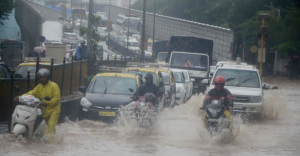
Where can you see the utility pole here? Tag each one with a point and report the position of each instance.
(128, 28)
(263, 29)
(90, 27)
(244, 45)
(143, 30)
(154, 27)
(81, 16)
(109, 10)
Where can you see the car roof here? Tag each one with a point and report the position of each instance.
(239, 67)
(144, 69)
(178, 70)
(118, 75)
(33, 63)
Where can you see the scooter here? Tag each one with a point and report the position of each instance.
(215, 118)
(25, 117)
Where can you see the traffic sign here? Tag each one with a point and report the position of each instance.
(42, 39)
(253, 49)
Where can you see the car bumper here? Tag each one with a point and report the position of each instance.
(179, 97)
(93, 114)
(247, 107)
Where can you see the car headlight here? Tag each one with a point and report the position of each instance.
(85, 103)
(255, 99)
(179, 90)
(166, 94)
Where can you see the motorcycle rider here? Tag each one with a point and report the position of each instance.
(50, 109)
(218, 93)
(148, 87)
(81, 51)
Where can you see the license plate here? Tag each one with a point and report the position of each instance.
(190, 73)
(107, 113)
(213, 120)
(238, 106)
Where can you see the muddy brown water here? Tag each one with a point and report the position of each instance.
(179, 132)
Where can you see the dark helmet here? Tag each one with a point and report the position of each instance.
(139, 74)
(148, 76)
(219, 82)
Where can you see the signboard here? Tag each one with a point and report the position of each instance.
(253, 49)
(42, 38)
(264, 55)
(108, 26)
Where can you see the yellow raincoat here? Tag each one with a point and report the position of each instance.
(52, 111)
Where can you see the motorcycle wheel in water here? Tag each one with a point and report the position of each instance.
(27, 117)
(142, 111)
(216, 117)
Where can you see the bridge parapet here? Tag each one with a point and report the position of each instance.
(49, 13)
(166, 26)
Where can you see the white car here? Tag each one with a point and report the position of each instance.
(133, 45)
(102, 33)
(189, 84)
(70, 38)
(181, 86)
(244, 83)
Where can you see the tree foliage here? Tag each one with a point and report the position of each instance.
(241, 16)
(6, 6)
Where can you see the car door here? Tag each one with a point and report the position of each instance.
(186, 82)
(161, 86)
(4, 72)
(172, 88)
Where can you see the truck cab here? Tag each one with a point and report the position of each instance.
(197, 65)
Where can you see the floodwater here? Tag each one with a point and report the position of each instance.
(179, 132)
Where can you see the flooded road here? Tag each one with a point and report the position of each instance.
(179, 131)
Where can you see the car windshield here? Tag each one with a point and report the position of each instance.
(212, 68)
(71, 35)
(23, 70)
(150, 43)
(101, 30)
(162, 56)
(178, 77)
(112, 85)
(189, 61)
(134, 23)
(144, 74)
(166, 78)
(239, 78)
(133, 44)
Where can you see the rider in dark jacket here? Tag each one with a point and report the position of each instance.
(148, 87)
(218, 92)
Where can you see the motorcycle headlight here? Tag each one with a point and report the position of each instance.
(166, 94)
(85, 103)
(255, 99)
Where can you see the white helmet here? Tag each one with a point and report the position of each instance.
(43, 72)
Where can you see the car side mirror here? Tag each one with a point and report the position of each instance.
(192, 80)
(47, 98)
(205, 81)
(82, 89)
(130, 89)
(266, 86)
(18, 76)
(17, 88)
(211, 74)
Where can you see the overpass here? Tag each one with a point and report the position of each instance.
(30, 17)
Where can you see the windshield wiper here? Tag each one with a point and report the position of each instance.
(105, 87)
(93, 88)
(229, 79)
(243, 82)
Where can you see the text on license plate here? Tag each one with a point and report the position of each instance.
(237, 106)
(107, 113)
(213, 120)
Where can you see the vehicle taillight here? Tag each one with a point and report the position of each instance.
(67, 37)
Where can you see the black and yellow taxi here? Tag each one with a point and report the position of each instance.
(29, 65)
(106, 94)
(158, 79)
(170, 87)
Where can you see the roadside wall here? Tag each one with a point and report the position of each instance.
(166, 26)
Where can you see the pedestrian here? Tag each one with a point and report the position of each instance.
(81, 51)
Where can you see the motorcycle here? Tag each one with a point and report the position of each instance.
(27, 117)
(215, 118)
(143, 111)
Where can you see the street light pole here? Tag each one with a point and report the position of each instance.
(143, 30)
(90, 27)
(154, 27)
(128, 28)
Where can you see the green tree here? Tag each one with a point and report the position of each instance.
(6, 6)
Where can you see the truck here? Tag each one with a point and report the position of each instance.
(192, 54)
(160, 50)
(56, 50)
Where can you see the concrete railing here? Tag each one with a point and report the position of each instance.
(166, 26)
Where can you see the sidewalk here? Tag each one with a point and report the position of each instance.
(3, 128)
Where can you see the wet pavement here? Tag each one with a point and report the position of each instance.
(179, 131)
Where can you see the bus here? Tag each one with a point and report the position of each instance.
(129, 19)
